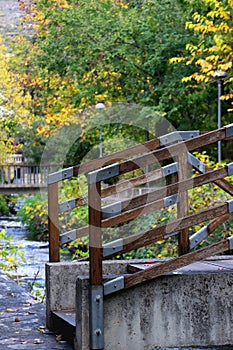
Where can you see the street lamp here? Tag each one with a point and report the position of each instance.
(100, 107)
(219, 75)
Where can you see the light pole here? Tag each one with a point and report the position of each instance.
(219, 75)
(100, 107)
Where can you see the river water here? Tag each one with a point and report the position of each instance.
(32, 270)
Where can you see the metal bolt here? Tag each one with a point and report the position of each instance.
(98, 298)
(98, 332)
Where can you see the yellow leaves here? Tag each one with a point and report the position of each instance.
(227, 96)
(44, 130)
(176, 60)
(121, 4)
(63, 4)
(199, 78)
(225, 66)
(214, 49)
(15, 104)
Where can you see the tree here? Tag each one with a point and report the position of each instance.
(14, 106)
(115, 51)
(107, 50)
(210, 54)
(212, 50)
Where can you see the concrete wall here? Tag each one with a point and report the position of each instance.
(176, 310)
(171, 311)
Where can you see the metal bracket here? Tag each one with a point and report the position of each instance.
(230, 169)
(186, 135)
(170, 234)
(170, 169)
(230, 239)
(171, 200)
(114, 285)
(60, 175)
(68, 205)
(229, 130)
(199, 236)
(178, 136)
(112, 247)
(230, 206)
(111, 210)
(103, 173)
(67, 237)
(96, 318)
(196, 163)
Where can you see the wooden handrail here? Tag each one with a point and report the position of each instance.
(148, 202)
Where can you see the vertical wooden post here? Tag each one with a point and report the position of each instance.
(95, 236)
(53, 223)
(96, 312)
(182, 206)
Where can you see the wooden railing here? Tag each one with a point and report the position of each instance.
(20, 177)
(177, 153)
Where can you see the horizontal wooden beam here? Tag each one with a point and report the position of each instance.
(172, 151)
(174, 264)
(161, 232)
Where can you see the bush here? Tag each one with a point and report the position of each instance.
(34, 214)
(11, 255)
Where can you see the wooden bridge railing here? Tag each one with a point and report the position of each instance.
(24, 175)
(170, 149)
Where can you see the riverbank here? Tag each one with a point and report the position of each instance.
(22, 320)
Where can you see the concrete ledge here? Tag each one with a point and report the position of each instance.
(188, 307)
(61, 283)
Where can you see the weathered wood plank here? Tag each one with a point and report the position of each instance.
(182, 205)
(176, 263)
(142, 203)
(136, 181)
(214, 224)
(162, 231)
(53, 223)
(173, 150)
(169, 190)
(95, 236)
(134, 213)
(117, 156)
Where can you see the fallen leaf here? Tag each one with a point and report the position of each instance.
(10, 310)
(59, 338)
(41, 329)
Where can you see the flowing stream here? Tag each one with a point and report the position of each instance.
(32, 271)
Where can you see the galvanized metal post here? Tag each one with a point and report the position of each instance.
(219, 75)
(96, 316)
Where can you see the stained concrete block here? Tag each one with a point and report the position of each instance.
(170, 311)
(185, 308)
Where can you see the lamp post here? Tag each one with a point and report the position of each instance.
(100, 107)
(219, 75)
